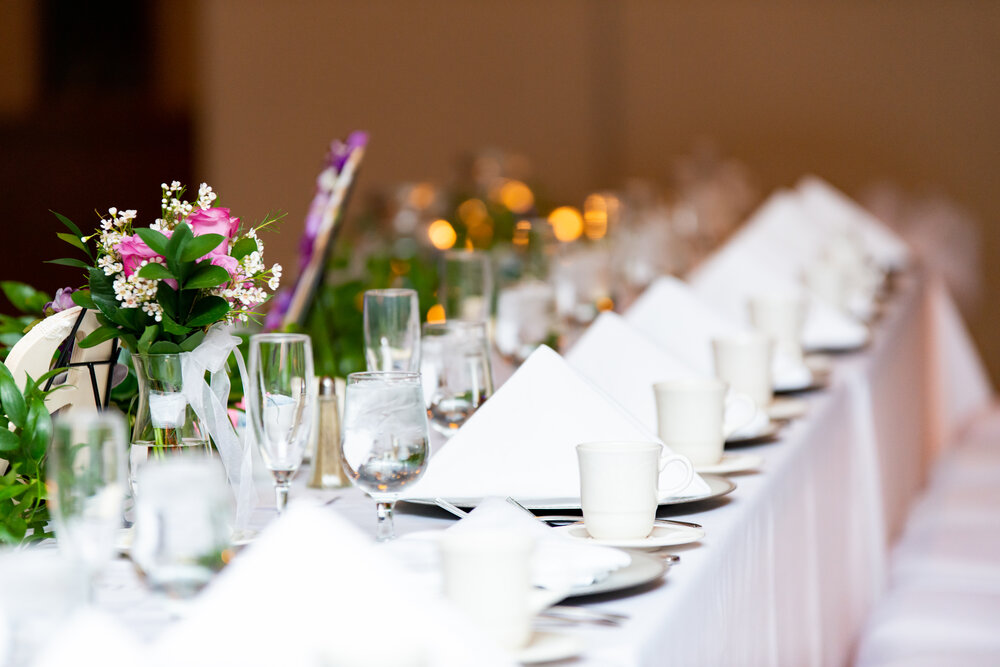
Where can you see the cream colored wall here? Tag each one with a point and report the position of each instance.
(594, 91)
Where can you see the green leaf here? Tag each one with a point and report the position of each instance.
(100, 335)
(156, 241)
(175, 248)
(147, 337)
(13, 491)
(243, 247)
(83, 299)
(11, 400)
(164, 347)
(8, 441)
(76, 263)
(38, 429)
(199, 246)
(192, 341)
(24, 297)
(171, 327)
(34, 384)
(74, 241)
(166, 296)
(69, 223)
(207, 276)
(208, 310)
(155, 271)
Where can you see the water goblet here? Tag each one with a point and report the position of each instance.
(455, 371)
(87, 480)
(281, 400)
(386, 443)
(466, 290)
(392, 330)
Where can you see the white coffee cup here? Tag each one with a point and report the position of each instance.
(781, 316)
(694, 419)
(744, 363)
(487, 575)
(620, 486)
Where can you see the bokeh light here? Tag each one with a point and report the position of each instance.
(567, 223)
(435, 313)
(442, 234)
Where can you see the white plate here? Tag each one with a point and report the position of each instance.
(731, 463)
(769, 430)
(663, 535)
(784, 409)
(815, 381)
(643, 569)
(548, 647)
(717, 487)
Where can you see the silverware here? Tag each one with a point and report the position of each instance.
(445, 505)
(569, 614)
(519, 505)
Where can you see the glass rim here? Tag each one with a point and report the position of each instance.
(383, 376)
(391, 291)
(280, 338)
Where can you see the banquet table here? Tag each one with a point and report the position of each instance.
(794, 558)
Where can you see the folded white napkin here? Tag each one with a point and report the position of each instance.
(522, 441)
(679, 319)
(314, 590)
(626, 364)
(558, 563)
(826, 205)
(92, 637)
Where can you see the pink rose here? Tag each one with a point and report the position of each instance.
(133, 251)
(227, 262)
(213, 221)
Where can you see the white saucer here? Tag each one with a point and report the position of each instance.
(731, 463)
(664, 535)
(768, 430)
(784, 409)
(548, 647)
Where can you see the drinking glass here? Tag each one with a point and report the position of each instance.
(455, 372)
(281, 400)
(525, 320)
(183, 523)
(385, 443)
(87, 480)
(466, 290)
(392, 330)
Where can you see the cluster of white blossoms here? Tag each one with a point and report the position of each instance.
(244, 291)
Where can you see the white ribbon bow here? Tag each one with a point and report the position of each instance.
(210, 403)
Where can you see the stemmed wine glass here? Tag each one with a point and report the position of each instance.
(281, 400)
(392, 330)
(455, 372)
(87, 479)
(385, 443)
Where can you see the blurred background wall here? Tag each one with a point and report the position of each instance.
(100, 102)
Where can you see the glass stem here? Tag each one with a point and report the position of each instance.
(384, 529)
(282, 480)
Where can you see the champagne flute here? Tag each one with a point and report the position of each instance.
(466, 290)
(392, 330)
(385, 443)
(87, 478)
(281, 400)
(455, 372)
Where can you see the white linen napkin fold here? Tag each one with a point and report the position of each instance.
(679, 319)
(626, 364)
(558, 563)
(828, 206)
(314, 590)
(522, 441)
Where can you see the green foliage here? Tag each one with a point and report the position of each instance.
(23, 513)
(29, 302)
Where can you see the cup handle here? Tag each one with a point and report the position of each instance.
(752, 409)
(675, 460)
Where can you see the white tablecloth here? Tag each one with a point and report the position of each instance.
(794, 558)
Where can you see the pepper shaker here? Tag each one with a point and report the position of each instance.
(327, 472)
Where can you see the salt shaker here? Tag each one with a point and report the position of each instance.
(327, 472)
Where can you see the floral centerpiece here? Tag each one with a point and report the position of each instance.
(170, 293)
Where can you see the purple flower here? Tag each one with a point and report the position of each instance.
(63, 300)
(340, 151)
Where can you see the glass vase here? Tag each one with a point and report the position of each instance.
(165, 424)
